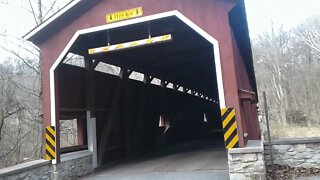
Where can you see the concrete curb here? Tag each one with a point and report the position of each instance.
(253, 146)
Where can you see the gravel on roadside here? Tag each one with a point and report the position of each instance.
(287, 172)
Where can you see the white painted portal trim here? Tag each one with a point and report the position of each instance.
(217, 59)
(176, 13)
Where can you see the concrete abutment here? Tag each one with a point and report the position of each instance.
(247, 163)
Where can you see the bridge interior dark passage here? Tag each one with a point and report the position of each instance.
(190, 160)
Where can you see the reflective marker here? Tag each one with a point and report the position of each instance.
(143, 42)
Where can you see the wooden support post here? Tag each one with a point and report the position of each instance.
(128, 124)
(164, 83)
(94, 64)
(176, 87)
(147, 79)
(112, 113)
(81, 128)
(129, 72)
(140, 127)
(90, 106)
(140, 123)
(124, 73)
(89, 85)
(193, 93)
(185, 90)
(127, 113)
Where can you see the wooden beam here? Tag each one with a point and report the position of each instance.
(246, 95)
(83, 109)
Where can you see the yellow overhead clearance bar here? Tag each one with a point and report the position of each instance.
(138, 43)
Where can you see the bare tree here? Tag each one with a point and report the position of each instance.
(272, 53)
(310, 32)
(287, 64)
(38, 9)
(20, 90)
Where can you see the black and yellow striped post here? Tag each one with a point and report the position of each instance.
(50, 143)
(229, 125)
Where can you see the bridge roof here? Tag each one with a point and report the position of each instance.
(69, 12)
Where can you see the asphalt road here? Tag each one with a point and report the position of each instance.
(183, 162)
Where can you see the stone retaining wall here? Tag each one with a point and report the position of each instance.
(42, 169)
(299, 153)
(39, 169)
(74, 168)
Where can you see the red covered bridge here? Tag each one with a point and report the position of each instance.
(137, 76)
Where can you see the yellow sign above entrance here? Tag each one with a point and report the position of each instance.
(122, 15)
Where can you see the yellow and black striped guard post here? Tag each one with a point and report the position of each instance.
(229, 125)
(50, 143)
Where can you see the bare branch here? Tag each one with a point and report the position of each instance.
(40, 15)
(50, 9)
(36, 70)
(33, 12)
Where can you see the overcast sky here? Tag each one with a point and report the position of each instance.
(261, 14)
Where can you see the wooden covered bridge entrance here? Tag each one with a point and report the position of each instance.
(173, 68)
